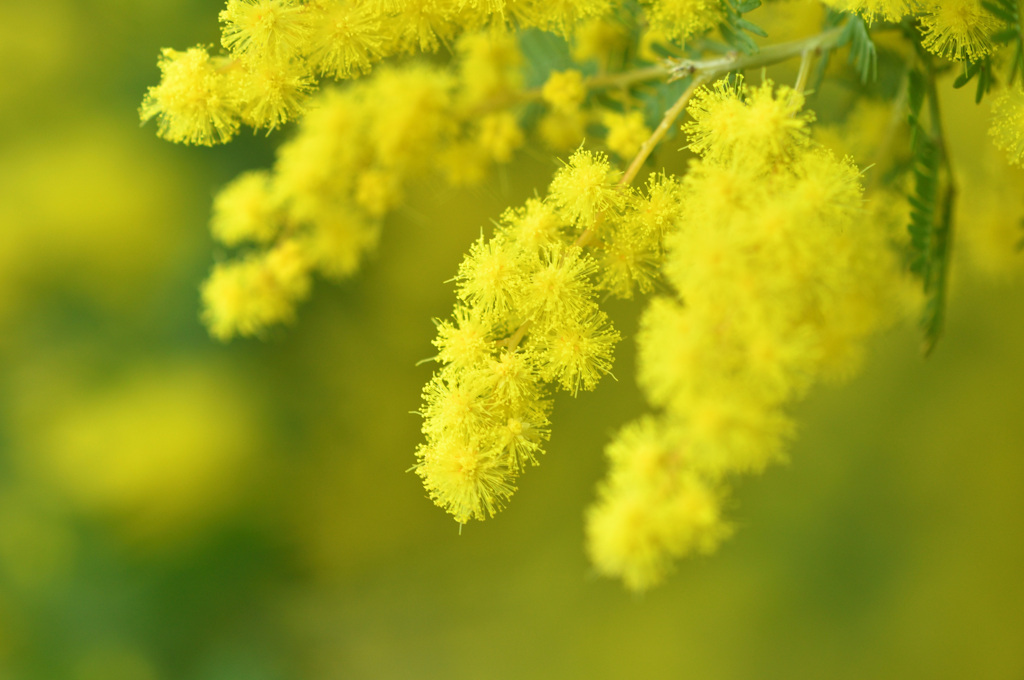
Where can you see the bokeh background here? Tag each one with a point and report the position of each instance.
(172, 508)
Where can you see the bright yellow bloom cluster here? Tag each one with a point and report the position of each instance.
(527, 320)
(960, 30)
(626, 132)
(779, 275)
(279, 49)
(1007, 128)
(775, 268)
(874, 10)
(194, 102)
(335, 180)
(680, 20)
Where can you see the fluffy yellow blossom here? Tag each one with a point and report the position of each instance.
(578, 354)
(584, 187)
(958, 29)
(273, 94)
(272, 31)
(490, 67)
(245, 210)
(490, 275)
(626, 132)
(760, 124)
(500, 136)
(194, 102)
(563, 131)
(1007, 127)
(875, 10)
(534, 226)
(336, 244)
(465, 341)
(652, 509)
(564, 91)
(561, 16)
(527, 320)
(412, 114)
(558, 286)
(778, 273)
(769, 264)
(468, 480)
(346, 38)
(600, 40)
(680, 20)
(245, 297)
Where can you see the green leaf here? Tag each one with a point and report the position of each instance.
(1009, 12)
(931, 214)
(916, 89)
(734, 28)
(982, 70)
(863, 53)
(1005, 10)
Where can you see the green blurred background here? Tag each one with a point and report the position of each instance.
(174, 508)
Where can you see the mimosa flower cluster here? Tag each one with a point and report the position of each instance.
(321, 206)
(779, 274)
(771, 261)
(528, 321)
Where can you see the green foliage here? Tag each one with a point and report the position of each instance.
(931, 217)
(1012, 36)
(1009, 13)
(863, 54)
(543, 53)
(735, 29)
(982, 70)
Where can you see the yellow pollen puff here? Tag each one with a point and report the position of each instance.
(533, 226)
(488, 276)
(875, 10)
(273, 95)
(562, 16)
(347, 38)
(500, 135)
(680, 20)
(564, 91)
(377, 191)
(736, 124)
(562, 131)
(600, 40)
(626, 132)
(1007, 127)
(559, 286)
(337, 241)
(194, 102)
(584, 187)
(490, 67)
(636, 531)
(245, 297)
(466, 479)
(453, 409)
(510, 379)
(265, 30)
(245, 210)
(464, 343)
(958, 29)
(579, 354)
